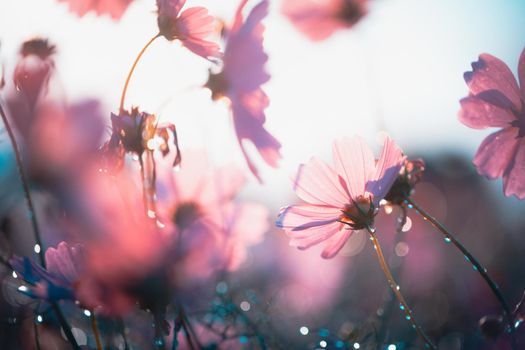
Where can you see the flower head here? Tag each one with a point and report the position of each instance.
(191, 26)
(496, 100)
(409, 175)
(320, 19)
(137, 132)
(240, 81)
(114, 8)
(341, 200)
(58, 281)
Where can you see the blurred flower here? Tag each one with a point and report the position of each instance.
(343, 200)
(58, 281)
(319, 19)
(114, 8)
(213, 230)
(495, 100)
(240, 82)
(31, 78)
(191, 27)
(409, 176)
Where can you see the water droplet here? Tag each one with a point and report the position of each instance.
(87, 313)
(39, 319)
(245, 306)
(23, 289)
(151, 214)
(447, 240)
(37, 248)
(159, 342)
(401, 306)
(392, 347)
(410, 206)
(14, 274)
(304, 330)
(408, 225)
(357, 346)
(407, 317)
(323, 343)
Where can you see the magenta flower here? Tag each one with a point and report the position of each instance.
(319, 19)
(496, 100)
(341, 200)
(240, 82)
(114, 8)
(191, 26)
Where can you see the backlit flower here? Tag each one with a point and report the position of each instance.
(496, 100)
(319, 19)
(191, 26)
(341, 200)
(114, 8)
(240, 82)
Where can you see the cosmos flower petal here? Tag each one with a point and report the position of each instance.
(194, 26)
(317, 183)
(65, 261)
(314, 235)
(479, 114)
(114, 8)
(490, 73)
(335, 243)
(514, 177)
(496, 152)
(387, 170)
(302, 217)
(354, 162)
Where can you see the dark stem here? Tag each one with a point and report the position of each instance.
(37, 340)
(396, 290)
(95, 330)
(36, 230)
(477, 266)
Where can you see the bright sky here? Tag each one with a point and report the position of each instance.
(401, 68)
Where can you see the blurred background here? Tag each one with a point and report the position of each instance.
(399, 71)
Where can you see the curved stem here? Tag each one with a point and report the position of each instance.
(94, 327)
(395, 289)
(124, 90)
(477, 266)
(34, 223)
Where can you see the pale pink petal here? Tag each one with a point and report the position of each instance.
(302, 217)
(194, 26)
(514, 177)
(490, 73)
(335, 243)
(314, 235)
(355, 164)
(387, 170)
(64, 261)
(496, 152)
(479, 114)
(316, 19)
(114, 8)
(244, 56)
(521, 73)
(317, 183)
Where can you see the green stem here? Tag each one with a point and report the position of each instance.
(125, 89)
(395, 289)
(477, 266)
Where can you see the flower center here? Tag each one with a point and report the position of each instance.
(359, 214)
(186, 214)
(351, 11)
(218, 85)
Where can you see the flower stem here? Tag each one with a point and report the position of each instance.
(32, 215)
(395, 289)
(477, 266)
(124, 90)
(95, 330)
(25, 187)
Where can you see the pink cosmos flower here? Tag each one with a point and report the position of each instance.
(213, 229)
(240, 82)
(341, 200)
(496, 100)
(319, 19)
(191, 26)
(114, 8)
